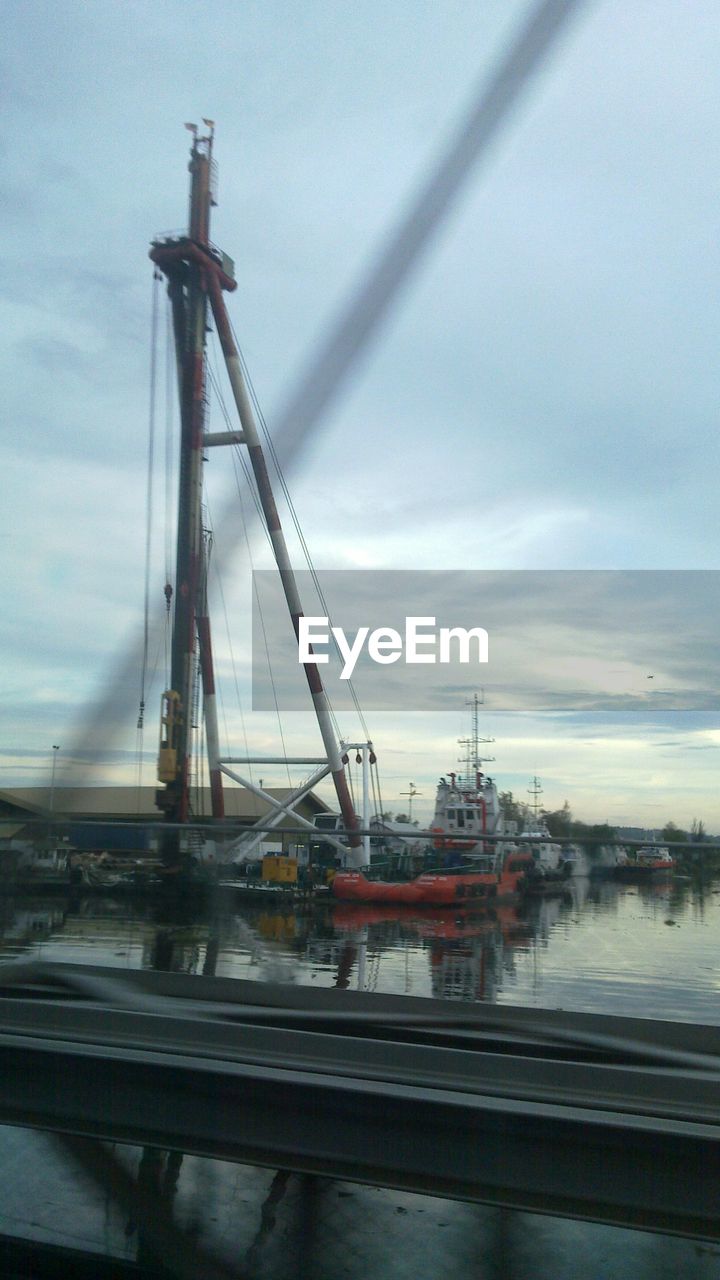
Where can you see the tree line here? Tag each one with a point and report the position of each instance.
(560, 822)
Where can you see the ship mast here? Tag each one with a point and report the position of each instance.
(473, 759)
(197, 275)
(535, 791)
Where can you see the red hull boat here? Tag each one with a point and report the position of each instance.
(648, 864)
(438, 888)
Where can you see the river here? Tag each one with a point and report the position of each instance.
(649, 951)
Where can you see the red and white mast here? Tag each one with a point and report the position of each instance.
(197, 275)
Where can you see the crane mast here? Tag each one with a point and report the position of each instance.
(198, 275)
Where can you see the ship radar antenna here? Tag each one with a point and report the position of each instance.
(472, 759)
(535, 791)
(411, 793)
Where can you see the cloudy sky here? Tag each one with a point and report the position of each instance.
(542, 395)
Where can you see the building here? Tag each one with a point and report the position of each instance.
(125, 819)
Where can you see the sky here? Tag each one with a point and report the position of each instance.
(541, 396)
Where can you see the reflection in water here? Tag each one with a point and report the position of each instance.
(644, 950)
(649, 950)
(157, 1183)
(465, 952)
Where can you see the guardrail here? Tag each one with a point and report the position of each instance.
(603, 1118)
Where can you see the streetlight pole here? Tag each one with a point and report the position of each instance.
(52, 780)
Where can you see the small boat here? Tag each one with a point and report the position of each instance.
(649, 863)
(481, 882)
(553, 863)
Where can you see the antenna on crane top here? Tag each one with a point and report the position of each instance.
(201, 154)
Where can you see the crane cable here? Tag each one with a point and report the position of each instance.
(239, 460)
(170, 391)
(237, 453)
(149, 489)
(218, 578)
(148, 519)
(375, 779)
(295, 518)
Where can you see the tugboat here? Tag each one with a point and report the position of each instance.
(478, 866)
(468, 809)
(649, 863)
(478, 885)
(553, 863)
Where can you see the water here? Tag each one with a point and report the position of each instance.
(646, 951)
(649, 951)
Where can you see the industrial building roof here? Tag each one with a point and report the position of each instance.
(139, 802)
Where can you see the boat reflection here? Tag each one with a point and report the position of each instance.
(599, 944)
(467, 951)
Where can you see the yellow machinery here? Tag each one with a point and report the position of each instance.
(281, 869)
(169, 720)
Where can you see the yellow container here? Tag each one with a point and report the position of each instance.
(280, 869)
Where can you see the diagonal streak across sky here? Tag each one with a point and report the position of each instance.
(360, 321)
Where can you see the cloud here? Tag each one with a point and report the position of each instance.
(544, 395)
(585, 643)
